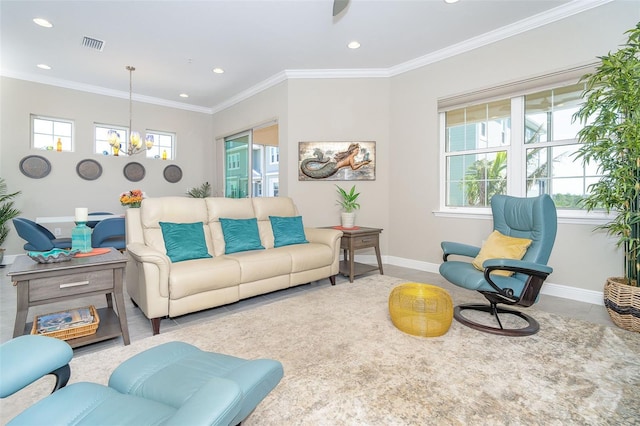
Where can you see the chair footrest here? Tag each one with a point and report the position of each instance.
(172, 372)
(532, 326)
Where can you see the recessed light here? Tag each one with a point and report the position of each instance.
(43, 22)
(43, 66)
(353, 45)
(218, 70)
(184, 95)
(451, 1)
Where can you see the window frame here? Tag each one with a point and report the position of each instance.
(516, 157)
(53, 135)
(171, 150)
(123, 139)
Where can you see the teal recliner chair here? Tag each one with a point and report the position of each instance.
(531, 218)
(171, 384)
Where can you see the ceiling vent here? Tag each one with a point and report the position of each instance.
(92, 43)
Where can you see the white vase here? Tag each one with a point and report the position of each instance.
(348, 219)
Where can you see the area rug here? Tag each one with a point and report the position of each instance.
(346, 364)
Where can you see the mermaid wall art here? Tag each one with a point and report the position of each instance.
(337, 161)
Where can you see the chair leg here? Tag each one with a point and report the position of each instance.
(532, 328)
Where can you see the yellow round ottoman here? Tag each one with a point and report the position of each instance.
(421, 309)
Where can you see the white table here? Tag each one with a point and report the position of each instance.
(66, 219)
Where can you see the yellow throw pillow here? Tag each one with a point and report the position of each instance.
(500, 246)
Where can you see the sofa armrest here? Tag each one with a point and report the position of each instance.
(142, 253)
(148, 279)
(325, 236)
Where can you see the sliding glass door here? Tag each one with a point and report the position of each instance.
(252, 163)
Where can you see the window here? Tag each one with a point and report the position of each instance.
(163, 145)
(274, 155)
(523, 146)
(163, 142)
(102, 134)
(233, 161)
(47, 131)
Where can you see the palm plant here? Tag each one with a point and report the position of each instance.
(7, 211)
(611, 139)
(202, 191)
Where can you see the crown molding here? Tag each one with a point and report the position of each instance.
(245, 94)
(536, 21)
(98, 90)
(561, 12)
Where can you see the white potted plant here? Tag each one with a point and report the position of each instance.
(349, 203)
(7, 212)
(611, 139)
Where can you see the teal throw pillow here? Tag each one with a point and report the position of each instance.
(287, 230)
(184, 241)
(240, 235)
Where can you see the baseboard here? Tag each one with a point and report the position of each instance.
(550, 289)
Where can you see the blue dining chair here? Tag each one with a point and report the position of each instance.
(533, 219)
(92, 223)
(38, 237)
(109, 233)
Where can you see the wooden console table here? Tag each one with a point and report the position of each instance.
(355, 239)
(43, 283)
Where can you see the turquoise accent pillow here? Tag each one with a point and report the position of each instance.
(240, 235)
(184, 241)
(287, 230)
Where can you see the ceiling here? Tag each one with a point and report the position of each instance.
(174, 45)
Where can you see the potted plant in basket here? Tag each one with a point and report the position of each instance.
(349, 203)
(7, 212)
(611, 139)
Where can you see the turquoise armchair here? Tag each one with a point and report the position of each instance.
(531, 218)
(171, 384)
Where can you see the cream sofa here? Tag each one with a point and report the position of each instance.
(161, 288)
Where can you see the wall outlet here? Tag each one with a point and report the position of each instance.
(57, 232)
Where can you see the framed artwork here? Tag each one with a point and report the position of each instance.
(336, 161)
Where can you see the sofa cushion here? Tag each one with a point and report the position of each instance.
(271, 206)
(184, 241)
(240, 235)
(263, 264)
(307, 256)
(202, 275)
(174, 210)
(287, 230)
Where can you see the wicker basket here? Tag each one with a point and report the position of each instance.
(72, 332)
(623, 303)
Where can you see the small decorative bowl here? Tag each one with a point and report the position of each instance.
(52, 256)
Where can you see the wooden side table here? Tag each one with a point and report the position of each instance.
(355, 239)
(43, 283)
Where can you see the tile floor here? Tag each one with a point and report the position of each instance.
(140, 327)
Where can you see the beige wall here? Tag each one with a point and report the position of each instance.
(264, 107)
(62, 190)
(581, 258)
(340, 110)
(399, 113)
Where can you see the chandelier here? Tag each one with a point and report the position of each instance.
(135, 144)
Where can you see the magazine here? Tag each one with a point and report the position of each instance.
(64, 320)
